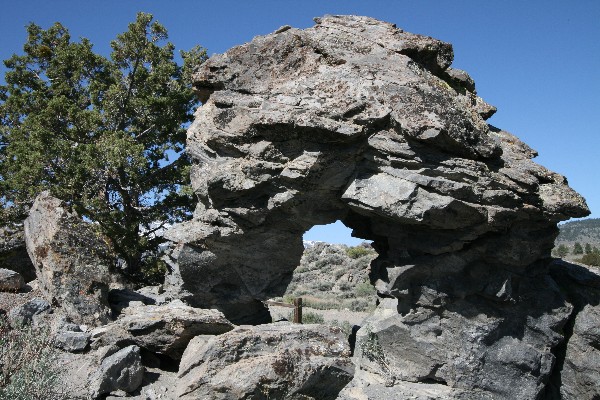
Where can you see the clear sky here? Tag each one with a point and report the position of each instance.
(538, 61)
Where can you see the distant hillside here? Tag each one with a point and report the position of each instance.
(334, 276)
(582, 231)
(579, 241)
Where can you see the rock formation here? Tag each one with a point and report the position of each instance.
(359, 121)
(73, 264)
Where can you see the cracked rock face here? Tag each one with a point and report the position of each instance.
(274, 361)
(358, 121)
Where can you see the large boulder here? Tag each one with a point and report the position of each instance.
(13, 252)
(73, 263)
(279, 361)
(164, 329)
(356, 120)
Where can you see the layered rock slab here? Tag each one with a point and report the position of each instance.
(163, 329)
(281, 360)
(357, 120)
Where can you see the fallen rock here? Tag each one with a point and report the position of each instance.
(73, 263)
(282, 360)
(13, 252)
(72, 341)
(122, 370)
(359, 121)
(24, 314)
(10, 281)
(164, 329)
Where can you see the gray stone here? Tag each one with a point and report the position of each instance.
(10, 281)
(13, 252)
(356, 120)
(74, 264)
(72, 341)
(122, 370)
(282, 360)
(164, 329)
(25, 313)
(577, 371)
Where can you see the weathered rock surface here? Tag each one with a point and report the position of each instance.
(280, 361)
(164, 329)
(25, 313)
(73, 264)
(358, 121)
(13, 252)
(577, 372)
(122, 370)
(10, 280)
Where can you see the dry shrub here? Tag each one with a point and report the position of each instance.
(28, 365)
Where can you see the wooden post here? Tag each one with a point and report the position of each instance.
(298, 310)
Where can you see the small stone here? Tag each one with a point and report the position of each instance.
(72, 341)
(10, 281)
(24, 314)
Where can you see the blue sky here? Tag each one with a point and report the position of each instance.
(538, 61)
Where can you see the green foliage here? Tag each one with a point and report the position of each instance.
(103, 134)
(361, 305)
(364, 289)
(577, 248)
(561, 251)
(28, 367)
(372, 350)
(324, 286)
(588, 248)
(584, 230)
(309, 317)
(591, 259)
(358, 252)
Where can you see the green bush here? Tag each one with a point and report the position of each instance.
(308, 317)
(591, 259)
(364, 289)
(312, 318)
(324, 286)
(361, 305)
(358, 252)
(28, 365)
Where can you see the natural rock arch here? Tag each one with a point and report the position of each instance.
(356, 120)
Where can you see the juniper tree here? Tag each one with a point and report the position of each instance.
(104, 134)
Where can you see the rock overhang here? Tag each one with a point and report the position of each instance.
(355, 119)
